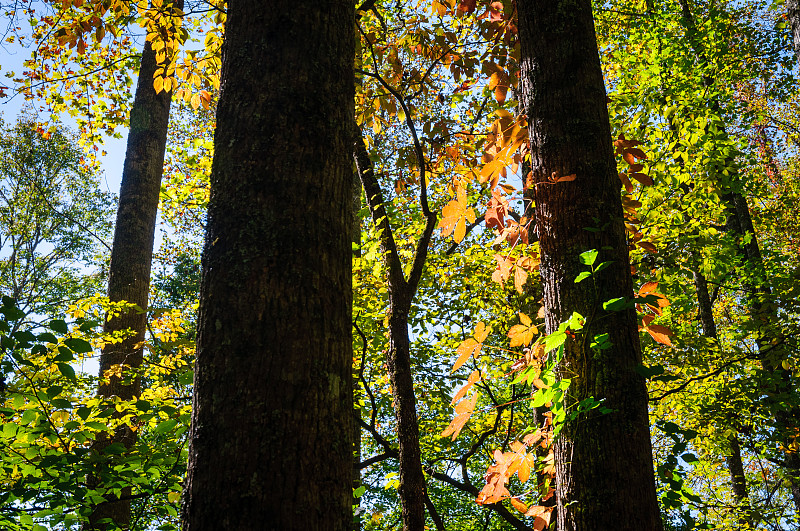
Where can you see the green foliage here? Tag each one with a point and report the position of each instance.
(54, 220)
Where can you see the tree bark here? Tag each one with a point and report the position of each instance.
(793, 16)
(131, 257)
(412, 489)
(271, 443)
(605, 476)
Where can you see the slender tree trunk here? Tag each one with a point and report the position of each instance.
(412, 488)
(605, 478)
(734, 458)
(762, 311)
(271, 443)
(131, 256)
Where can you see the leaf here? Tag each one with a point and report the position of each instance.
(455, 214)
(647, 246)
(636, 152)
(67, 371)
(473, 377)
(626, 182)
(158, 84)
(496, 211)
(522, 334)
(173, 496)
(566, 178)
(464, 410)
(582, 276)
(165, 426)
(518, 505)
(468, 348)
(647, 287)
(481, 332)
(642, 178)
(588, 257)
(78, 345)
(520, 277)
(660, 334)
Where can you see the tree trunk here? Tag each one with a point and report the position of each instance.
(271, 443)
(131, 255)
(412, 488)
(734, 458)
(605, 476)
(793, 16)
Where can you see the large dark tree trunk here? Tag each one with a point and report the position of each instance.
(272, 438)
(131, 255)
(605, 476)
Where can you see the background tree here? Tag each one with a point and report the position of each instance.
(273, 383)
(54, 220)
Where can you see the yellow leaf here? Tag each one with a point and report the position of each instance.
(468, 347)
(195, 101)
(474, 377)
(481, 332)
(524, 319)
(520, 277)
(173, 496)
(158, 84)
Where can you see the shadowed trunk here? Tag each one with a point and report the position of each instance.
(604, 463)
(271, 442)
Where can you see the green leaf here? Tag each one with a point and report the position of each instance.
(582, 276)
(616, 305)
(67, 371)
(61, 403)
(54, 391)
(554, 340)
(58, 325)
(588, 257)
(84, 412)
(47, 337)
(359, 491)
(603, 266)
(78, 345)
(165, 426)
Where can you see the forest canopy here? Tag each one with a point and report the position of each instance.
(568, 229)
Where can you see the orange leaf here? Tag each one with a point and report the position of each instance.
(660, 334)
(455, 214)
(642, 178)
(482, 332)
(518, 505)
(636, 152)
(474, 377)
(522, 334)
(464, 410)
(647, 287)
(647, 246)
(520, 277)
(626, 182)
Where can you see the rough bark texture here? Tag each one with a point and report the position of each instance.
(272, 438)
(793, 14)
(412, 488)
(131, 255)
(605, 478)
